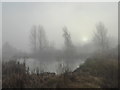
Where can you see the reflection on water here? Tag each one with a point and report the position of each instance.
(48, 66)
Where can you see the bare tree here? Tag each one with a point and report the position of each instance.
(38, 38)
(69, 49)
(33, 38)
(43, 43)
(100, 37)
(67, 37)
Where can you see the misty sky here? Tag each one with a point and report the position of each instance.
(80, 19)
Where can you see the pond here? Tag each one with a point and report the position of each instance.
(49, 66)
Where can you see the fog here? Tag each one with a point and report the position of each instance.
(56, 32)
(79, 18)
(59, 45)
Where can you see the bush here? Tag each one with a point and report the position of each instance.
(102, 68)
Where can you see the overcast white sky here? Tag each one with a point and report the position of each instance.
(80, 19)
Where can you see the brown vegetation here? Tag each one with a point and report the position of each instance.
(94, 73)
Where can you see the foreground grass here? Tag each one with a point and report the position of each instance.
(94, 73)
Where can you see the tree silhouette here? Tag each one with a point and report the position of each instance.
(33, 38)
(100, 37)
